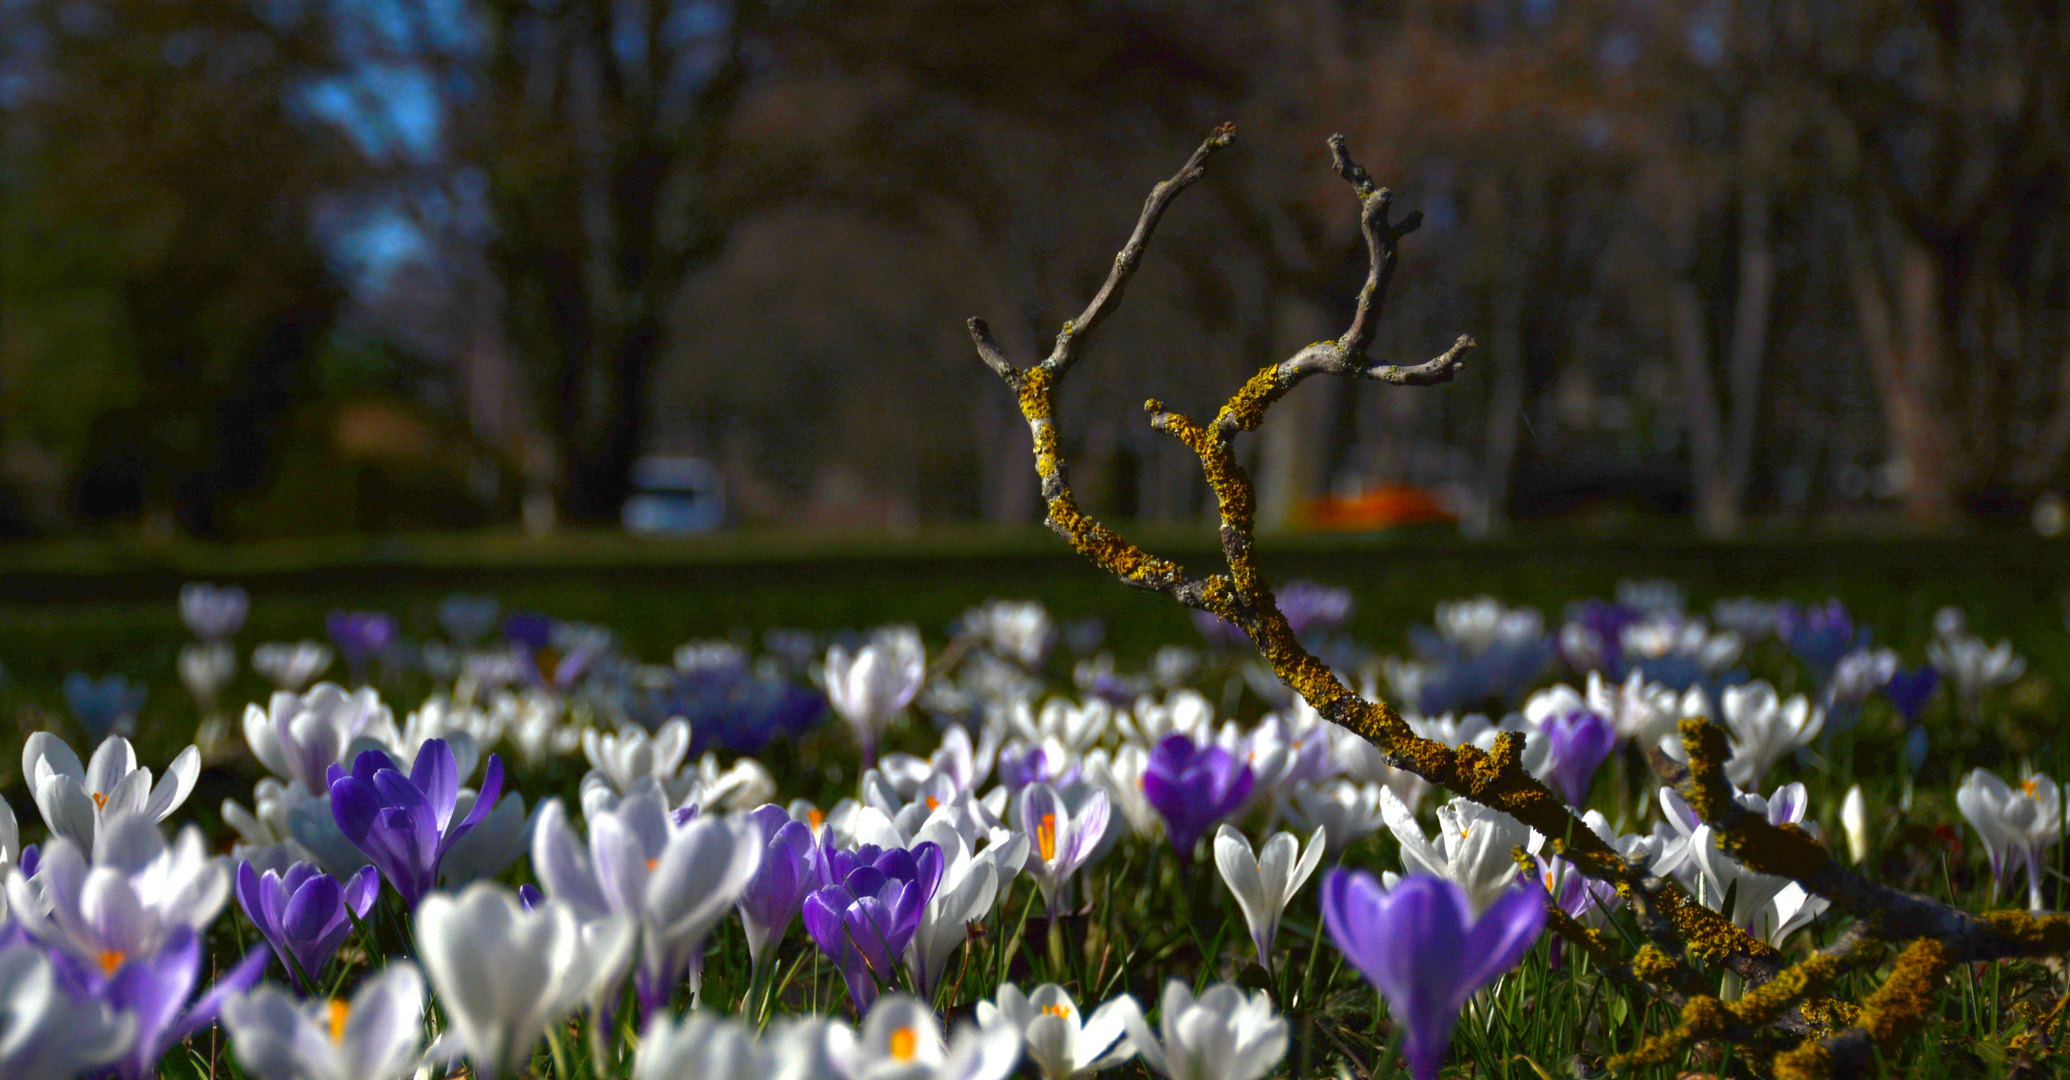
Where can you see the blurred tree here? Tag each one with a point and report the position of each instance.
(162, 288)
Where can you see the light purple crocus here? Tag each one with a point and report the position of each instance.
(303, 913)
(1194, 788)
(774, 895)
(865, 921)
(1580, 741)
(404, 823)
(360, 636)
(1420, 944)
(155, 989)
(1059, 842)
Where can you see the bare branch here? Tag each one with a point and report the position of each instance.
(1077, 330)
(989, 351)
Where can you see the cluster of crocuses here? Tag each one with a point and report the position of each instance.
(101, 935)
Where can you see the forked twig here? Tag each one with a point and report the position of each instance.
(1784, 1004)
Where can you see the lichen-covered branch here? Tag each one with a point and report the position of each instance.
(1784, 1004)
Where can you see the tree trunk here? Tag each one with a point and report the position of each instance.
(1750, 322)
(1714, 509)
(1903, 337)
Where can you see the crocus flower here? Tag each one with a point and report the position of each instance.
(1472, 850)
(1224, 1034)
(405, 823)
(1424, 948)
(48, 1034)
(1909, 691)
(206, 668)
(1062, 1044)
(136, 895)
(2012, 821)
(1975, 668)
(1854, 820)
(1266, 881)
(76, 802)
(101, 707)
(1193, 788)
(213, 612)
(374, 1036)
(1764, 728)
(864, 920)
(303, 913)
(629, 756)
(1059, 841)
(1580, 740)
(706, 1046)
(1345, 811)
(291, 666)
(674, 875)
(774, 895)
(298, 737)
(505, 974)
(1819, 635)
(900, 1040)
(971, 884)
(870, 686)
(156, 989)
(360, 636)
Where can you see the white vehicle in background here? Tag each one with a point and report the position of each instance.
(675, 496)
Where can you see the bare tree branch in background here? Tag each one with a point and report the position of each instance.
(1787, 1012)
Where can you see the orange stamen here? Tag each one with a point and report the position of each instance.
(1062, 1012)
(339, 1012)
(905, 1042)
(110, 960)
(1046, 837)
(100, 800)
(816, 817)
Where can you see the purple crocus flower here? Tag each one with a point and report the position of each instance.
(302, 913)
(1580, 741)
(865, 922)
(155, 990)
(1194, 788)
(1911, 690)
(404, 823)
(360, 636)
(1819, 635)
(1420, 944)
(1021, 764)
(776, 892)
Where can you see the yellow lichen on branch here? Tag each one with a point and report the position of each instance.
(1897, 1008)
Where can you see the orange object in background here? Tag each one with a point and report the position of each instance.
(1379, 508)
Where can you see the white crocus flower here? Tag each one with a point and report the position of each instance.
(1751, 893)
(1265, 881)
(628, 756)
(298, 737)
(1185, 712)
(1222, 1035)
(1062, 1044)
(375, 1036)
(78, 801)
(1854, 820)
(1764, 728)
(292, 666)
(971, 884)
(1060, 840)
(1121, 774)
(1076, 726)
(705, 1046)
(126, 902)
(1019, 629)
(206, 668)
(2013, 821)
(1792, 910)
(46, 1033)
(1346, 812)
(900, 1040)
(870, 686)
(504, 975)
(1642, 712)
(1472, 850)
(675, 881)
(1974, 667)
